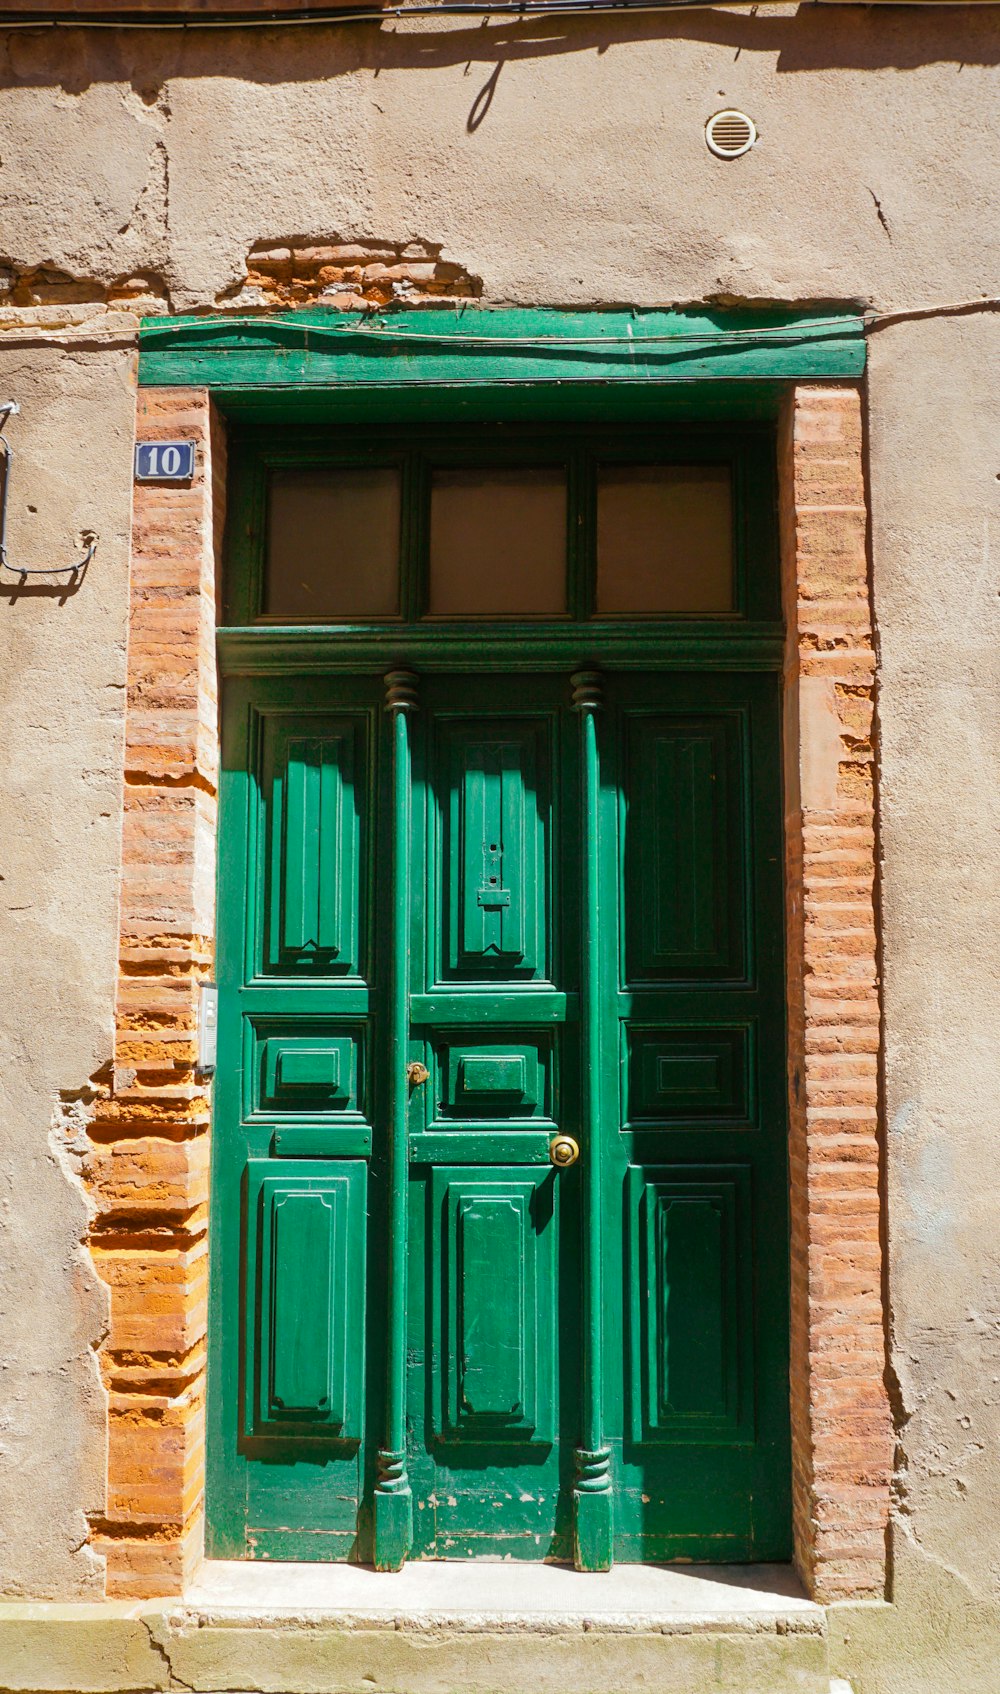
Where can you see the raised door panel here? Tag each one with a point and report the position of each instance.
(690, 1303)
(305, 1300)
(684, 837)
(504, 1080)
(494, 852)
(493, 1344)
(313, 790)
(305, 1066)
(306, 1082)
(491, 1097)
(683, 1074)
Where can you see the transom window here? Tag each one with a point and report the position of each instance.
(500, 524)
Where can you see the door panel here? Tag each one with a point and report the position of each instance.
(495, 1291)
(295, 1102)
(484, 1082)
(698, 1006)
(308, 1068)
(493, 781)
(306, 1299)
(497, 1084)
(313, 770)
(688, 1075)
(684, 847)
(691, 1350)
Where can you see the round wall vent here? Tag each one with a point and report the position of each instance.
(730, 134)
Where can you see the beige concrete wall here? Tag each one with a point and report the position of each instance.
(578, 175)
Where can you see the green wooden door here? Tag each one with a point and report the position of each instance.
(466, 920)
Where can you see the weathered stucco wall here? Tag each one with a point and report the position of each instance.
(579, 174)
(554, 162)
(62, 663)
(935, 471)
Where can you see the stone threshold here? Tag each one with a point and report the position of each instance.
(434, 1629)
(506, 1597)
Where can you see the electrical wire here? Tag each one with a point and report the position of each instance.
(9, 409)
(376, 14)
(28, 19)
(385, 330)
(379, 327)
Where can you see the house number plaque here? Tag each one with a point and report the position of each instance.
(164, 461)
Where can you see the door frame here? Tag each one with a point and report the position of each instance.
(744, 643)
(841, 1423)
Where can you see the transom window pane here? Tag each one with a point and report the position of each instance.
(498, 543)
(664, 539)
(333, 544)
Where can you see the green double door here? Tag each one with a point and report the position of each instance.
(501, 1246)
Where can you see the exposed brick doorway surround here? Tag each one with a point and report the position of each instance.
(149, 1167)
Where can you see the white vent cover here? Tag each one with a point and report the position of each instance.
(730, 134)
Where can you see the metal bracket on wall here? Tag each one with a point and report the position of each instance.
(10, 409)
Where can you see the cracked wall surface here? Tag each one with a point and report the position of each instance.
(556, 162)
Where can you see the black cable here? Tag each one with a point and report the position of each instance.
(27, 19)
(7, 411)
(382, 328)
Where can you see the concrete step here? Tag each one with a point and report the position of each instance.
(470, 1628)
(498, 1628)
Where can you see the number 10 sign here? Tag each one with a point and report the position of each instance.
(164, 461)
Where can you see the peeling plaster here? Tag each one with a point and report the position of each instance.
(302, 270)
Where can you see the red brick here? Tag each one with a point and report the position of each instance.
(148, 1165)
(841, 1424)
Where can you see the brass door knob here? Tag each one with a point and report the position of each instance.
(416, 1073)
(563, 1151)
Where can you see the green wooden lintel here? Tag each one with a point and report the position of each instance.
(320, 348)
(272, 651)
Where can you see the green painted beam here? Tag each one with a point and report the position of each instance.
(273, 650)
(320, 348)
